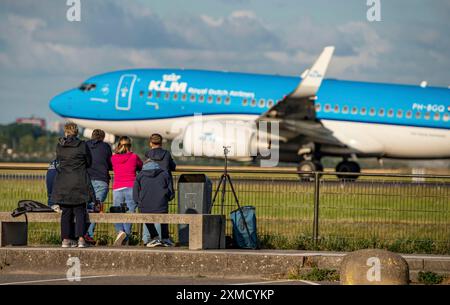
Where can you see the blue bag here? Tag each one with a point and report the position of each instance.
(241, 237)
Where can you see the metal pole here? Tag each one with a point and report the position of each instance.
(316, 207)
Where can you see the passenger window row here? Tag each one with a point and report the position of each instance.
(381, 112)
(185, 97)
(262, 103)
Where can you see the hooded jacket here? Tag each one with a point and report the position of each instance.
(125, 167)
(163, 158)
(153, 189)
(72, 185)
(101, 160)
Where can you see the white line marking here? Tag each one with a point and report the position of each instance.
(277, 281)
(55, 280)
(156, 105)
(102, 100)
(309, 282)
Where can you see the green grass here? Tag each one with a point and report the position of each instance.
(430, 278)
(402, 217)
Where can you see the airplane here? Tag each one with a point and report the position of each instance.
(317, 117)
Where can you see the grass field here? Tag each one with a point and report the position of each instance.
(374, 212)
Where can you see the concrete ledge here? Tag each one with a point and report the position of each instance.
(206, 231)
(182, 262)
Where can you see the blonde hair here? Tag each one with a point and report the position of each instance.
(71, 129)
(123, 146)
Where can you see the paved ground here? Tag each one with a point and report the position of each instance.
(36, 279)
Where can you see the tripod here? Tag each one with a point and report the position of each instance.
(222, 187)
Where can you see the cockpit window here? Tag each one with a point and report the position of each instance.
(87, 87)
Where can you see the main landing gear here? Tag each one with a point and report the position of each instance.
(314, 165)
(348, 167)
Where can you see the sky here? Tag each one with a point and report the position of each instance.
(43, 54)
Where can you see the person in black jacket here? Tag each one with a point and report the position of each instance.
(72, 188)
(165, 161)
(98, 172)
(152, 191)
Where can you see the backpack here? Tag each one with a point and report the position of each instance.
(25, 206)
(242, 238)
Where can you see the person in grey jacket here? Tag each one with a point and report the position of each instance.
(152, 191)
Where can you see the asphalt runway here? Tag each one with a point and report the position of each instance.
(58, 279)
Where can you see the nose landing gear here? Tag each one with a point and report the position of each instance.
(309, 166)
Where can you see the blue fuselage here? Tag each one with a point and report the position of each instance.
(149, 94)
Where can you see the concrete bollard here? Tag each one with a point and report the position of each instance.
(374, 267)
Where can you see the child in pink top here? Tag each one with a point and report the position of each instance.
(125, 163)
(125, 166)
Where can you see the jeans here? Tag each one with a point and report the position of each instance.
(146, 238)
(153, 233)
(69, 228)
(120, 196)
(101, 190)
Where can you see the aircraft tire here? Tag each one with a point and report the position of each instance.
(309, 166)
(348, 167)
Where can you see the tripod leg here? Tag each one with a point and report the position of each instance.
(224, 189)
(222, 178)
(233, 191)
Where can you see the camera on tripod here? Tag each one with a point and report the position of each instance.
(120, 209)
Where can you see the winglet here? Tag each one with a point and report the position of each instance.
(312, 79)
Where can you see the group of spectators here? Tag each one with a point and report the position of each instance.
(78, 183)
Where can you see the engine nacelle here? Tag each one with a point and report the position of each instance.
(207, 139)
(109, 137)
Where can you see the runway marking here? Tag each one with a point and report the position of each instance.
(277, 281)
(55, 280)
(309, 282)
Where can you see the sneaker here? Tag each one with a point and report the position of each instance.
(167, 242)
(89, 240)
(82, 243)
(120, 238)
(154, 243)
(68, 243)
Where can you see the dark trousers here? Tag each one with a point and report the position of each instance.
(153, 232)
(73, 221)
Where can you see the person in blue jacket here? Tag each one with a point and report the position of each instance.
(166, 162)
(98, 172)
(152, 191)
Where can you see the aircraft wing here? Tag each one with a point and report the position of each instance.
(296, 112)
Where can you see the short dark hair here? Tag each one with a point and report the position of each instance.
(156, 139)
(98, 134)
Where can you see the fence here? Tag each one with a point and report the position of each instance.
(403, 213)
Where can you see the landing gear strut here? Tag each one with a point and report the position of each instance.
(348, 167)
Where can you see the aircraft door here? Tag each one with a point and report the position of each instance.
(125, 91)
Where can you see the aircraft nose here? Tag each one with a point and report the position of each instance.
(61, 104)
